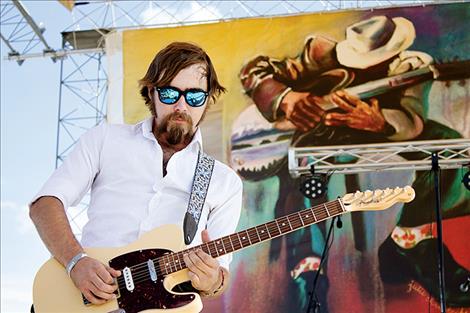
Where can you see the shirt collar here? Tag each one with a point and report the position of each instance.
(147, 133)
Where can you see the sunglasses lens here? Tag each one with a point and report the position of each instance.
(195, 98)
(168, 95)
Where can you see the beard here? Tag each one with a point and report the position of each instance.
(177, 128)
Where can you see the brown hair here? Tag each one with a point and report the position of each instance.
(170, 61)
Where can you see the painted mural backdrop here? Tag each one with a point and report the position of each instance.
(306, 81)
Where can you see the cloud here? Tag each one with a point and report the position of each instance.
(196, 12)
(18, 214)
(16, 297)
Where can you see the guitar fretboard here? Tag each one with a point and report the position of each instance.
(174, 262)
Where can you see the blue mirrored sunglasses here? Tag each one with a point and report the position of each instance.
(170, 95)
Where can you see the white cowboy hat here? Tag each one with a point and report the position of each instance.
(375, 40)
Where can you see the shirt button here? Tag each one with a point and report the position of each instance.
(155, 188)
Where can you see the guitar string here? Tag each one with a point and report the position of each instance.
(142, 273)
(142, 276)
(137, 268)
(253, 229)
(270, 226)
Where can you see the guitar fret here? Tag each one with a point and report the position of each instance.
(300, 217)
(172, 262)
(290, 225)
(253, 235)
(239, 246)
(180, 260)
(226, 244)
(167, 264)
(218, 242)
(294, 221)
(264, 232)
(216, 252)
(285, 226)
(241, 242)
(230, 239)
(280, 232)
(256, 230)
(326, 208)
(313, 214)
(248, 236)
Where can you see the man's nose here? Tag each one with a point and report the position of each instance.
(181, 105)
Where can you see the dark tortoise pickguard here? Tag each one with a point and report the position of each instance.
(147, 294)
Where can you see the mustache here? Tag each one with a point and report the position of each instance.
(180, 115)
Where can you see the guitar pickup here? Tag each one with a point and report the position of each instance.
(126, 272)
(152, 271)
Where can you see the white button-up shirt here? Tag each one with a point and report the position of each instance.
(123, 166)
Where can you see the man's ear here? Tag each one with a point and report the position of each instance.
(150, 93)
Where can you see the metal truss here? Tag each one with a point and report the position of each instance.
(409, 155)
(143, 14)
(19, 31)
(83, 80)
(82, 105)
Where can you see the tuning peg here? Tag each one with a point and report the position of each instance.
(377, 195)
(348, 197)
(357, 194)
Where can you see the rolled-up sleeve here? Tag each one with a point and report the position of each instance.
(72, 180)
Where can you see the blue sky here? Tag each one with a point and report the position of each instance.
(29, 104)
(29, 110)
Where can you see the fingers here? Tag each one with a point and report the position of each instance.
(302, 122)
(203, 269)
(95, 280)
(102, 290)
(200, 262)
(343, 101)
(92, 298)
(337, 119)
(112, 271)
(375, 104)
(205, 236)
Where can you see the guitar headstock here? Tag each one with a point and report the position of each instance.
(455, 70)
(377, 200)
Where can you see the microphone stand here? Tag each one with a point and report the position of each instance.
(435, 169)
(313, 304)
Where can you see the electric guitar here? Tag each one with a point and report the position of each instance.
(149, 274)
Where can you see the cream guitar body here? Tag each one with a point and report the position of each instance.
(54, 291)
(150, 268)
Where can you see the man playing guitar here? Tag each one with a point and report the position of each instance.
(140, 178)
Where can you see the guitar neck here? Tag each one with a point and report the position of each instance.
(173, 262)
(381, 86)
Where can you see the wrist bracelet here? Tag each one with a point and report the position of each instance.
(74, 262)
(218, 289)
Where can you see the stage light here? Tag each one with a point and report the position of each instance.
(313, 185)
(466, 180)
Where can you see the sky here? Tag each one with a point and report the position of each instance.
(29, 106)
(29, 110)
(29, 98)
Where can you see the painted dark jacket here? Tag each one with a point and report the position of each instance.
(266, 80)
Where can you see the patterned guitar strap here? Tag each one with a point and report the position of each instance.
(202, 178)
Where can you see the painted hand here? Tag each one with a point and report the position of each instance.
(204, 270)
(95, 280)
(359, 114)
(301, 109)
